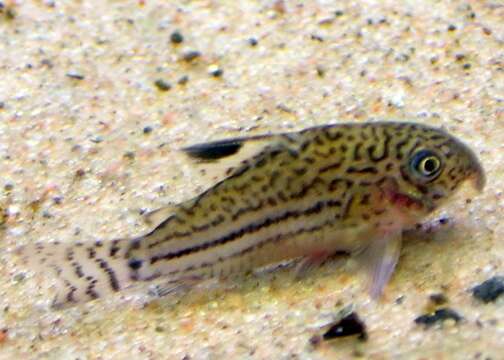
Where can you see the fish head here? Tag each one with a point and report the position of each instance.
(437, 166)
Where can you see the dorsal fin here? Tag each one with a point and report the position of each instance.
(216, 150)
(219, 159)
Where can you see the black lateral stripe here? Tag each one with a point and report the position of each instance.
(239, 213)
(249, 229)
(261, 244)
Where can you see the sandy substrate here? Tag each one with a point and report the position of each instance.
(96, 96)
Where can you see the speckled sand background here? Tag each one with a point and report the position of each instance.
(88, 140)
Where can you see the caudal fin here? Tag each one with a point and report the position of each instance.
(81, 271)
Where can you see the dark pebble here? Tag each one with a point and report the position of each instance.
(466, 66)
(183, 80)
(338, 13)
(129, 155)
(459, 57)
(10, 14)
(80, 173)
(2, 105)
(176, 37)
(438, 316)
(489, 290)
(252, 42)
(452, 28)
(147, 129)
(217, 72)
(58, 199)
(191, 55)
(75, 76)
(438, 299)
(348, 326)
(320, 71)
(162, 85)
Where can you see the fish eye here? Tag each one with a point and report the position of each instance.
(426, 164)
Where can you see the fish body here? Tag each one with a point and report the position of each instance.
(306, 194)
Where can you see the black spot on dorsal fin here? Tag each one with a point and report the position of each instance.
(214, 150)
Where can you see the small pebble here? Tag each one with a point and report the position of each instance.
(162, 85)
(347, 326)
(58, 199)
(97, 139)
(459, 57)
(191, 55)
(3, 335)
(452, 27)
(2, 105)
(129, 155)
(215, 70)
(147, 130)
(80, 173)
(438, 299)
(9, 12)
(176, 37)
(438, 316)
(490, 289)
(75, 75)
(19, 277)
(317, 37)
(320, 71)
(252, 41)
(183, 80)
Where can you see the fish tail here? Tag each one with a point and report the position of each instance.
(81, 271)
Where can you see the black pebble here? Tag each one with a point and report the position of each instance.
(348, 326)
(176, 37)
(252, 41)
(75, 76)
(191, 55)
(438, 299)
(217, 72)
(489, 290)
(162, 85)
(147, 130)
(438, 316)
(183, 80)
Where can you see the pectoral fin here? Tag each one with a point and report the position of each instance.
(380, 259)
(310, 262)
